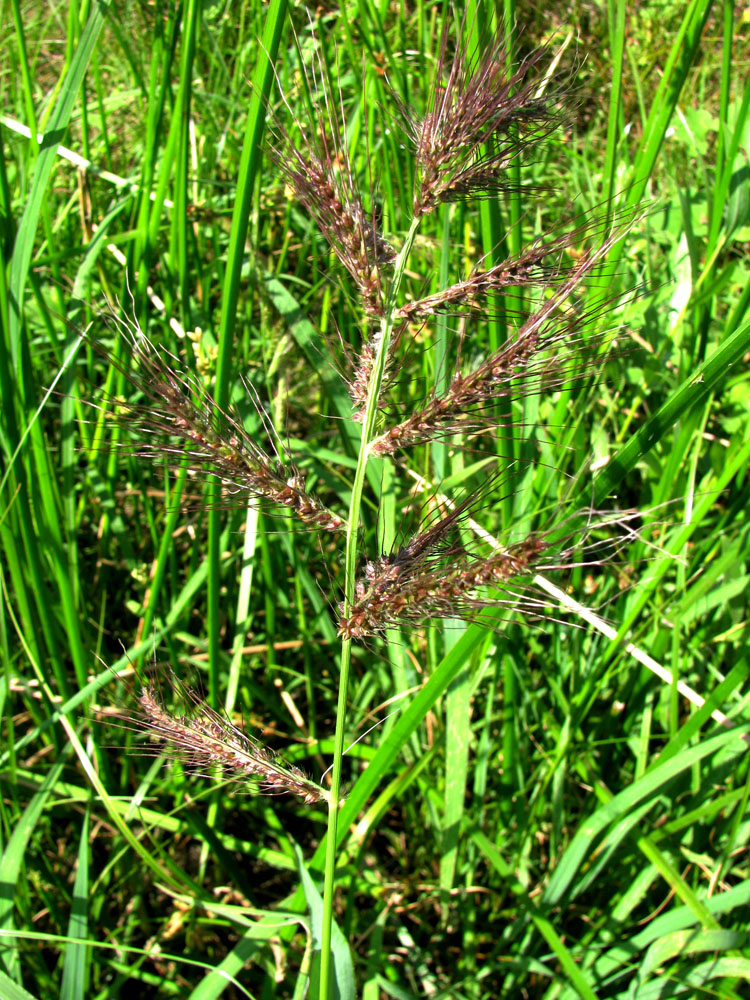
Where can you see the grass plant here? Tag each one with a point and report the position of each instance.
(374, 436)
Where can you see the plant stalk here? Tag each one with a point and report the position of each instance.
(350, 569)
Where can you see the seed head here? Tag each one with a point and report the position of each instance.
(481, 116)
(204, 740)
(547, 352)
(429, 579)
(178, 408)
(435, 576)
(318, 169)
(541, 263)
(332, 198)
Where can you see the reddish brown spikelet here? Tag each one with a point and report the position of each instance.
(332, 199)
(359, 384)
(522, 365)
(204, 740)
(538, 264)
(481, 117)
(321, 176)
(214, 438)
(434, 576)
(411, 587)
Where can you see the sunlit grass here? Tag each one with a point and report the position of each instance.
(535, 813)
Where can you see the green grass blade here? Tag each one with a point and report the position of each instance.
(686, 398)
(58, 122)
(646, 788)
(542, 923)
(12, 991)
(12, 862)
(673, 78)
(249, 164)
(77, 961)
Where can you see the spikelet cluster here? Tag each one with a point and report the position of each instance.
(543, 263)
(335, 203)
(206, 741)
(314, 160)
(402, 590)
(434, 575)
(177, 415)
(479, 120)
(544, 354)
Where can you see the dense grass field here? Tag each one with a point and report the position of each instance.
(545, 786)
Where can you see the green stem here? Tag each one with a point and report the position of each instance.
(350, 567)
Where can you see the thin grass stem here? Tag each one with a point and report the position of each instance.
(387, 326)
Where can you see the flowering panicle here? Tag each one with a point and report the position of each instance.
(212, 438)
(540, 263)
(435, 576)
(330, 195)
(525, 364)
(320, 175)
(205, 740)
(480, 118)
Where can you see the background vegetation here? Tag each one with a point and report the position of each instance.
(541, 816)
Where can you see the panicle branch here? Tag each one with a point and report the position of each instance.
(320, 175)
(435, 576)
(547, 352)
(204, 740)
(330, 195)
(481, 117)
(431, 576)
(540, 263)
(212, 438)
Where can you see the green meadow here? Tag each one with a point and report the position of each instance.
(238, 760)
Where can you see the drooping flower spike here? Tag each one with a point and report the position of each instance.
(480, 118)
(547, 352)
(315, 163)
(204, 740)
(177, 416)
(434, 575)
